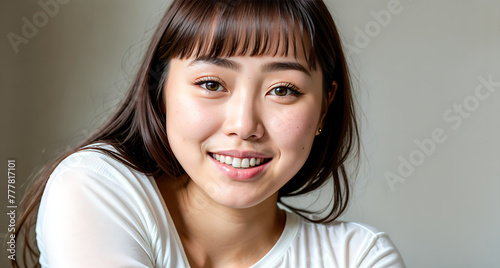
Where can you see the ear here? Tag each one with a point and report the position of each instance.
(328, 101)
(331, 94)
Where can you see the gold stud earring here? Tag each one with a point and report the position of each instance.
(318, 131)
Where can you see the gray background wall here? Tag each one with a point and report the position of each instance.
(429, 123)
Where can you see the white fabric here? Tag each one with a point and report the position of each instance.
(96, 212)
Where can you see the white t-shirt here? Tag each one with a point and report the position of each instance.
(97, 212)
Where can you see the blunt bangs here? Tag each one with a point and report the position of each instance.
(229, 28)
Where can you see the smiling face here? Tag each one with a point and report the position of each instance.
(242, 127)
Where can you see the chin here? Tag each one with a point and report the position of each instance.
(238, 200)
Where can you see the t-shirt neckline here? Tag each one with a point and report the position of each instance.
(292, 224)
(289, 233)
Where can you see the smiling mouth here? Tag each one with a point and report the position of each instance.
(241, 163)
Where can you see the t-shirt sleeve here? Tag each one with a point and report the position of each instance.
(379, 251)
(89, 218)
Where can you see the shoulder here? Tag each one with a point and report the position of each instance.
(352, 232)
(94, 167)
(95, 158)
(350, 244)
(92, 180)
(91, 196)
(92, 174)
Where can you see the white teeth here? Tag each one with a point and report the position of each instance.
(236, 162)
(244, 163)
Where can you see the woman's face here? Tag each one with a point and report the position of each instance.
(242, 127)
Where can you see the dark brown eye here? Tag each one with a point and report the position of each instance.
(285, 90)
(281, 91)
(212, 86)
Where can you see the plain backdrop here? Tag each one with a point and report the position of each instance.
(426, 75)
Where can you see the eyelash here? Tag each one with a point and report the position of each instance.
(295, 91)
(293, 88)
(208, 79)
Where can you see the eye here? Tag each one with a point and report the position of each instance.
(285, 90)
(211, 86)
(210, 83)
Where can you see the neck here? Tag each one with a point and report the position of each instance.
(217, 236)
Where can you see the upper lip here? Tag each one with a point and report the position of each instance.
(242, 154)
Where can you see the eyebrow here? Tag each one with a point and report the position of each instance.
(284, 66)
(220, 62)
(268, 67)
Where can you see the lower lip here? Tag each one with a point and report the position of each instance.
(240, 174)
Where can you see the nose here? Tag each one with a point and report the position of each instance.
(243, 117)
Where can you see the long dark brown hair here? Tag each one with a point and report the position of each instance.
(225, 28)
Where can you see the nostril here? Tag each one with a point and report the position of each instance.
(243, 116)
(247, 131)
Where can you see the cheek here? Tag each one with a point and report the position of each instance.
(295, 129)
(188, 119)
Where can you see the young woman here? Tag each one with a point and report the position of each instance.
(237, 105)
